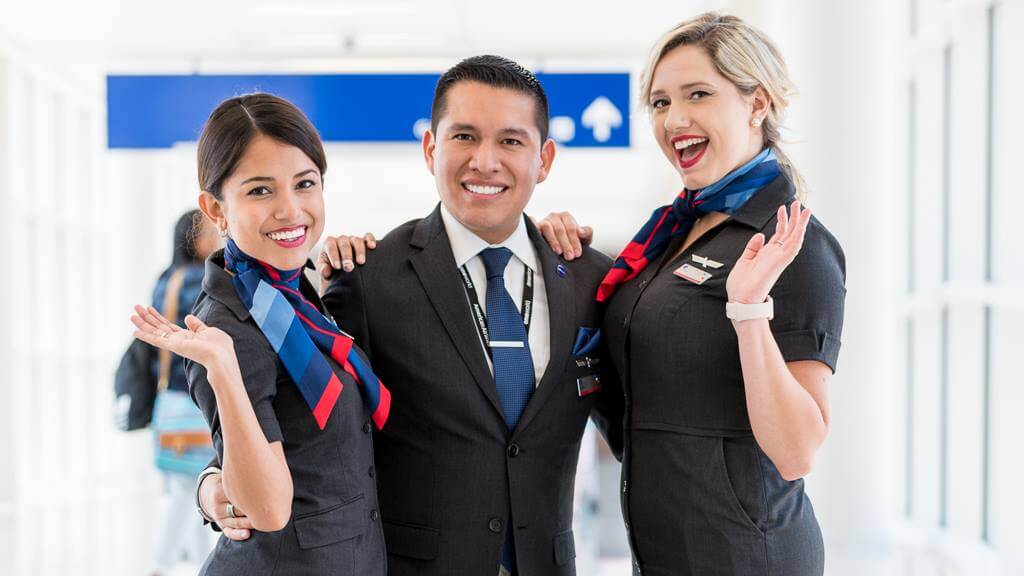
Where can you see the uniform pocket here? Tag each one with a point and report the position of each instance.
(565, 548)
(337, 524)
(741, 480)
(256, 556)
(411, 541)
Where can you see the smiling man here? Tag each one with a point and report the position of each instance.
(488, 342)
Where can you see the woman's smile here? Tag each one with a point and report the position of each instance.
(292, 237)
(690, 149)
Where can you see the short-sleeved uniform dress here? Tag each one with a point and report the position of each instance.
(335, 525)
(699, 495)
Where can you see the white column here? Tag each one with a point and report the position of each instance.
(846, 139)
(7, 495)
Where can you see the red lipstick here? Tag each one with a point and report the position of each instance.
(690, 162)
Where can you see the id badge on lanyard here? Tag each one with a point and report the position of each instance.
(480, 319)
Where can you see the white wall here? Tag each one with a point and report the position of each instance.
(69, 483)
(911, 452)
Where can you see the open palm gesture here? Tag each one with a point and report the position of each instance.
(199, 343)
(761, 264)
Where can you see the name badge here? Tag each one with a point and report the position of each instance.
(587, 385)
(692, 273)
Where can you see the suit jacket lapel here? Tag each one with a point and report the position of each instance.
(561, 294)
(435, 266)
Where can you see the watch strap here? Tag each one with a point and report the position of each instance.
(739, 312)
(199, 483)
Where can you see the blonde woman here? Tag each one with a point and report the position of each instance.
(723, 318)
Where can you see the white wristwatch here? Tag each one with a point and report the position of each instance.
(199, 483)
(740, 312)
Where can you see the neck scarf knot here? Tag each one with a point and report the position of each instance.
(726, 195)
(301, 335)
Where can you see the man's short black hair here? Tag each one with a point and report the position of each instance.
(493, 71)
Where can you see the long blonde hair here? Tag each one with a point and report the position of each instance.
(748, 59)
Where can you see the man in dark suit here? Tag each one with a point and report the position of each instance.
(488, 342)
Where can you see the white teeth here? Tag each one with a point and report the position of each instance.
(487, 190)
(288, 234)
(689, 142)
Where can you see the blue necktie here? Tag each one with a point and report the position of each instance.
(510, 354)
(510, 348)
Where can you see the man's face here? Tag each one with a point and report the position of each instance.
(486, 157)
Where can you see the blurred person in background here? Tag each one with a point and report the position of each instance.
(285, 392)
(725, 412)
(180, 536)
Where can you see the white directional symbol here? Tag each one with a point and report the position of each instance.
(421, 126)
(562, 129)
(602, 116)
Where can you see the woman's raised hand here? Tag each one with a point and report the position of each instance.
(200, 343)
(564, 235)
(761, 264)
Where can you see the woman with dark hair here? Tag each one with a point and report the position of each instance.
(289, 398)
(175, 292)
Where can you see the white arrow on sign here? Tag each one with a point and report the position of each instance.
(602, 116)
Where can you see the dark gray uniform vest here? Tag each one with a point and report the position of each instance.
(335, 526)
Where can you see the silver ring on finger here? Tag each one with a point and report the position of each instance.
(780, 242)
(163, 334)
(231, 510)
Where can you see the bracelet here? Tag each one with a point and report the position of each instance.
(199, 483)
(740, 312)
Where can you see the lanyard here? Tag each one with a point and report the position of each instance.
(526, 307)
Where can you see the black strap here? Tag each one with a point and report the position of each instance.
(480, 319)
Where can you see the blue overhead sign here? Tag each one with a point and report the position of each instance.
(158, 111)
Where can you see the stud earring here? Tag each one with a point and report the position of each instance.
(755, 122)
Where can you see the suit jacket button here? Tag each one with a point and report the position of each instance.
(366, 427)
(374, 515)
(495, 525)
(513, 450)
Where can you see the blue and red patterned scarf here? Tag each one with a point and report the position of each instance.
(726, 195)
(297, 329)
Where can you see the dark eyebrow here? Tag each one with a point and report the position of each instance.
(462, 128)
(524, 134)
(269, 179)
